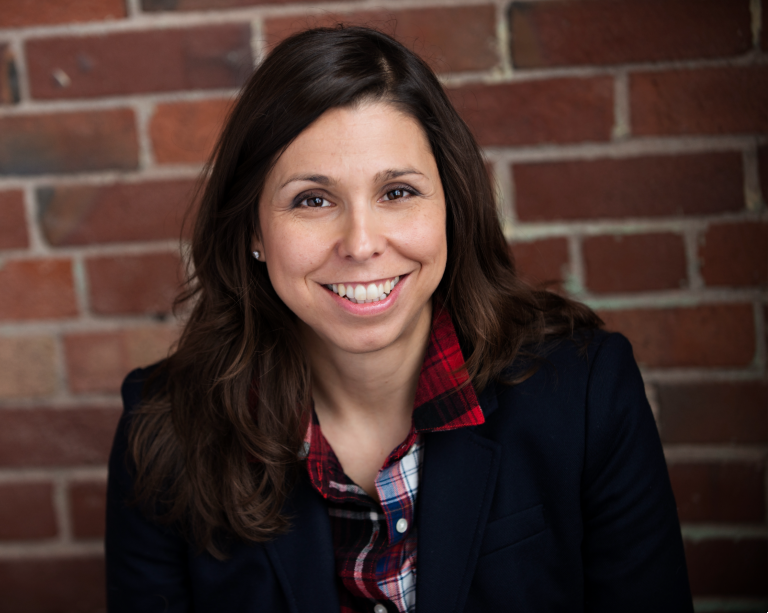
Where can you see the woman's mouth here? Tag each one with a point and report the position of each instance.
(360, 293)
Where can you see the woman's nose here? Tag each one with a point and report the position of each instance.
(363, 237)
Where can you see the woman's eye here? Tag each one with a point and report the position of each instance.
(395, 194)
(315, 202)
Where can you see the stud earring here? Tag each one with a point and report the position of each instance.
(256, 254)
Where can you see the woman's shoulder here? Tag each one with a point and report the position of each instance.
(139, 383)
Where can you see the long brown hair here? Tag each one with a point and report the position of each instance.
(212, 453)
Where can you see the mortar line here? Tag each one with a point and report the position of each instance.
(51, 550)
(692, 235)
(752, 190)
(61, 506)
(132, 9)
(37, 245)
(755, 10)
(621, 120)
(20, 61)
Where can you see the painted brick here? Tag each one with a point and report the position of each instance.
(26, 511)
(449, 38)
(133, 284)
(634, 262)
(35, 585)
(37, 289)
(29, 366)
(727, 492)
(13, 221)
(119, 212)
(42, 436)
(654, 186)
(88, 508)
(735, 254)
(68, 142)
(762, 171)
(707, 335)
(726, 567)
(542, 261)
(618, 31)
(702, 101)
(135, 62)
(99, 361)
(20, 13)
(732, 412)
(9, 87)
(184, 132)
(565, 110)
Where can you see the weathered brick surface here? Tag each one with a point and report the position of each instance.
(701, 101)
(26, 511)
(9, 89)
(133, 62)
(201, 5)
(71, 584)
(728, 567)
(19, 13)
(542, 261)
(13, 220)
(762, 170)
(615, 31)
(37, 289)
(730, 412)
(43, 436)
(706, 335)
(709, 491)
(29, 366)
(68, 142)
(88, 508)
(735, 254)
(653, 186)
(183, 132)
(133, 284)
(121, 212)
(541, 111)
(450, 38)
(99, 361)
(634, 262)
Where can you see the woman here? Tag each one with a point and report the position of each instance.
(368, 410)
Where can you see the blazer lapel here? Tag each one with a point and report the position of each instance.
(303, 558)
(455, 493)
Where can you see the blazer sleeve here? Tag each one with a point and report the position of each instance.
(146, 563)
(632, 547)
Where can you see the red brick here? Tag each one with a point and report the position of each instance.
(37, 289)
(86, 214)
(618, 31)
(133, 284)
(187, 131)
(719, 492)
(702, 101)
(564, 110)
(733, 412)
(30, 366)
(728, 567)
(202, 5)
(20, 13)
(53, 585)
(634, 262)
(68, 142)
(735, 254)
(449, 38)
(13, 221)
(543, 261)
(88, 508)
(99, 361)
(9, 87)
(26, 511)
(655, 186)
(762, 170)
(706, 335)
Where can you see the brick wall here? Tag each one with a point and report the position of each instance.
(628, 139)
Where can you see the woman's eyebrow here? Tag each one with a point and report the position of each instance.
(321, 179)
(384, 175)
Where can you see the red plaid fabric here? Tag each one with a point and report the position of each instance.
(376, 562)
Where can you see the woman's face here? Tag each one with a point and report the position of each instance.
(356, 201)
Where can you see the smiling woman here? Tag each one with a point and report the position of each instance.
(368, 410)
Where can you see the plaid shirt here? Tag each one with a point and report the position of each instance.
(376, 562)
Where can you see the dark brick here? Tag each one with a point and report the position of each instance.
(699, 184)
(88, 507)
(762, 170)
(723, 100)
(619, 31)
(85, 214)
(542, 261)
(707, 335)
(184, 132)
(26, 511)
(20, 13)
(735, 254)
(566, 110)
(728, 567)
(9, 81)
(634, 262)
(207, 57)
(13, 221)
(732, 412)
(68, 142)
(37, 289)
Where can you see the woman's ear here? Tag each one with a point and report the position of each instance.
(256, 249)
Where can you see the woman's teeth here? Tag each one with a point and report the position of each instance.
(373, 292)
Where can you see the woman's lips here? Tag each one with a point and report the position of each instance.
(360, 293)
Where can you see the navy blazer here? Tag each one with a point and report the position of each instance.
(560, 501)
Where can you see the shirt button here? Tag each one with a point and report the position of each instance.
(401, 526)
(379, 608)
